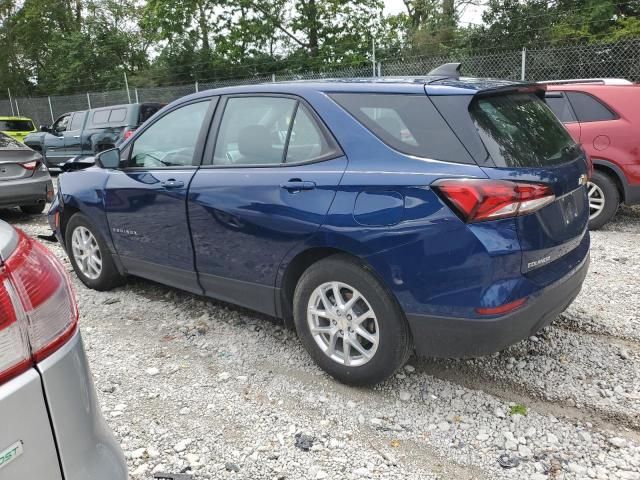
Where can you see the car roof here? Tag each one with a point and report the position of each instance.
(14, 118)
(434, 85)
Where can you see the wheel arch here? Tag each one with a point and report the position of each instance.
(293, 269)
(616, 174)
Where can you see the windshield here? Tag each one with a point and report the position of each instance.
(519, 130)
(8, 143)
(16, 125)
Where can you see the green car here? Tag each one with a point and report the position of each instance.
(17, 127)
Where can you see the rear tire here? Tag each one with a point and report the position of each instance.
(89, 255)
(374, 329)
(33, 209)
(604, 199)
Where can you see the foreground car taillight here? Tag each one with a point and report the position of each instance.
(38, 312)
(31, 166)
(484, 199)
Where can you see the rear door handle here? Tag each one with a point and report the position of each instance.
(295, 185)
(76, 136)
(172, 183)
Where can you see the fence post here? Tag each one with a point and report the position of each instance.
(89, 100)
(126, 84)
(11, 102)
(524, 63)
(273, 78)
(197, 87)
(53, 119)
(17, 107)
(135, 91)
(379, 69)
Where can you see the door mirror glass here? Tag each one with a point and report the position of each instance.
(109, 158)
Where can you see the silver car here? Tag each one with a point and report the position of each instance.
(24, 178)
(51, 426)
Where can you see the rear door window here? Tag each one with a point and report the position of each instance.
(307, 141)
(559, 105)
(589, 109)
(519, 130)
(407, 123)
(77, 121)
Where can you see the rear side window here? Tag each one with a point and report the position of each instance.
(101, 116)
(589, 109)
(519, 130)
(407, 123)
(16, 125)
(559, 105)
(307, 141)
(118, 115)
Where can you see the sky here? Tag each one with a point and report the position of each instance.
(471, 14)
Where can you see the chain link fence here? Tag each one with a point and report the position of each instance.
(619, 59)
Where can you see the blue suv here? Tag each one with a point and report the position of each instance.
(443, 215)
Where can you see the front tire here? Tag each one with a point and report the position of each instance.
(33, 209)
(350, 325)
(604, 199)
(90, 256)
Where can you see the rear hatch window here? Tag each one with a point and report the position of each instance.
(519, 130)
(407, 123)
(16, 125)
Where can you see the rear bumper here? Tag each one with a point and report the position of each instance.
(25, 192)
(461, 337)
(86, 446)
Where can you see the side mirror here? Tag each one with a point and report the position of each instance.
(45, 128)
(108, 158)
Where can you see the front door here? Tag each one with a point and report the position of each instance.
(146, 200)
(268, 185)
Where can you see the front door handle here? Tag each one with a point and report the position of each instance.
(76, 136)
(173, 183)
(295, 185)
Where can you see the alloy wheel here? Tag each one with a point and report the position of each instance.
(343, 324)
(596, 200)
(86, 252)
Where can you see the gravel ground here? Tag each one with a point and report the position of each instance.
(192, 385)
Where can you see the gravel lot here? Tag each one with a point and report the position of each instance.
(192, 385)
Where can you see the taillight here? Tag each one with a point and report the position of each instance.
(128, 133)
(31, 166)
(484, 199)
(502, 309)
(38, 312)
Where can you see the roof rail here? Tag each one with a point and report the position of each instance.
(447, 70)
(597, 81)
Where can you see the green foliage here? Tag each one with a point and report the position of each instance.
(63, 46)
(518, 409)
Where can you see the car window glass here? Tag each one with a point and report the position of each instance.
(307, 141)
(61, 124)
(253, 131)
(8, 143)
(407, 123)
(76, 122)
(101, 116)
(589, 109)
(560, 106)
(117, 115)
(16, 125)
(170, 141)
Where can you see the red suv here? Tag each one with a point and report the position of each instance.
(603, 116)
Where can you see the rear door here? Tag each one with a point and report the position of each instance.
(559, 104)
(72, 136)
(266, 185)
(527, 143)
(146, 200)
